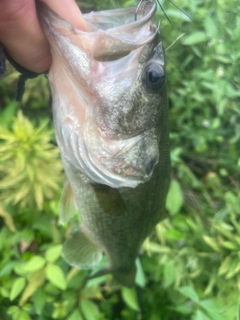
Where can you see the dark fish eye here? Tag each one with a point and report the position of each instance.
(153, 76)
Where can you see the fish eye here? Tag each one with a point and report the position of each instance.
(153, 76)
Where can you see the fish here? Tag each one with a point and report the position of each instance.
(110, 111)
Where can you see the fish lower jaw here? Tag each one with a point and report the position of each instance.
(120, 170)
(117, 177)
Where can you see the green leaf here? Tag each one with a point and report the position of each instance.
(152, 247)
(21, 315)
(175, 199)
(12, 310)
(60, 310)
(212, 243)
(53, 253)
(89, 310)
(39, 300)
(234, 268)
(230, 245)
(56, 276)
(169, 274)
(189, 292)
(199, 315)
(211, 309)
(7, 269)
(18, 314)
(7, 219)
(17, 287)
(184, 308)
(75, 315)
(175, 235)
(98, 280)
(194, 38)
(34, 264)
(140, 276)
(8, 113)
(35, 281)
(27, 307)
(225, 265)
(130, 297)
(210, 26)
(4, 292)
(27, 235)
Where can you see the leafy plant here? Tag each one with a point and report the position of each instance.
(29, 164)
(189, 268)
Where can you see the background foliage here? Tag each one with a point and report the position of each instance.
(190, 267)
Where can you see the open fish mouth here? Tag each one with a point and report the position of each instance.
(105, 119)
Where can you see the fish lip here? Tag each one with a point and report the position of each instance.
(123, 28)
(46, 13)
(51, 20)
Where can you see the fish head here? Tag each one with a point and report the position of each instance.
(109, 93)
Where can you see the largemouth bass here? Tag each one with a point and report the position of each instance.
(110, 113)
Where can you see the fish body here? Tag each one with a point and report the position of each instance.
(111, 121)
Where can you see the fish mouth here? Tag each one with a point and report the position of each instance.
(129, 33)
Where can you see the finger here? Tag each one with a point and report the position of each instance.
(21, 34)
(68, 10)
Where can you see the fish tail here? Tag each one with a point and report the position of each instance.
(127, 278)
(124, 277)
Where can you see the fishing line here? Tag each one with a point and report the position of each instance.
(179, 37)
(180, 9)
(159, 3)
(140, 3)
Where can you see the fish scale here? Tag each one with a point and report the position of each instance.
(110, 111)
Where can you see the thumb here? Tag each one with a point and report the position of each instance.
(21, 34)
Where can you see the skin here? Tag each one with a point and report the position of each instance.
(21, 34)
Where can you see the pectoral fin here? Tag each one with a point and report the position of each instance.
(67, 203)
(81, 252)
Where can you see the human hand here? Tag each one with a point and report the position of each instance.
(21, 34)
